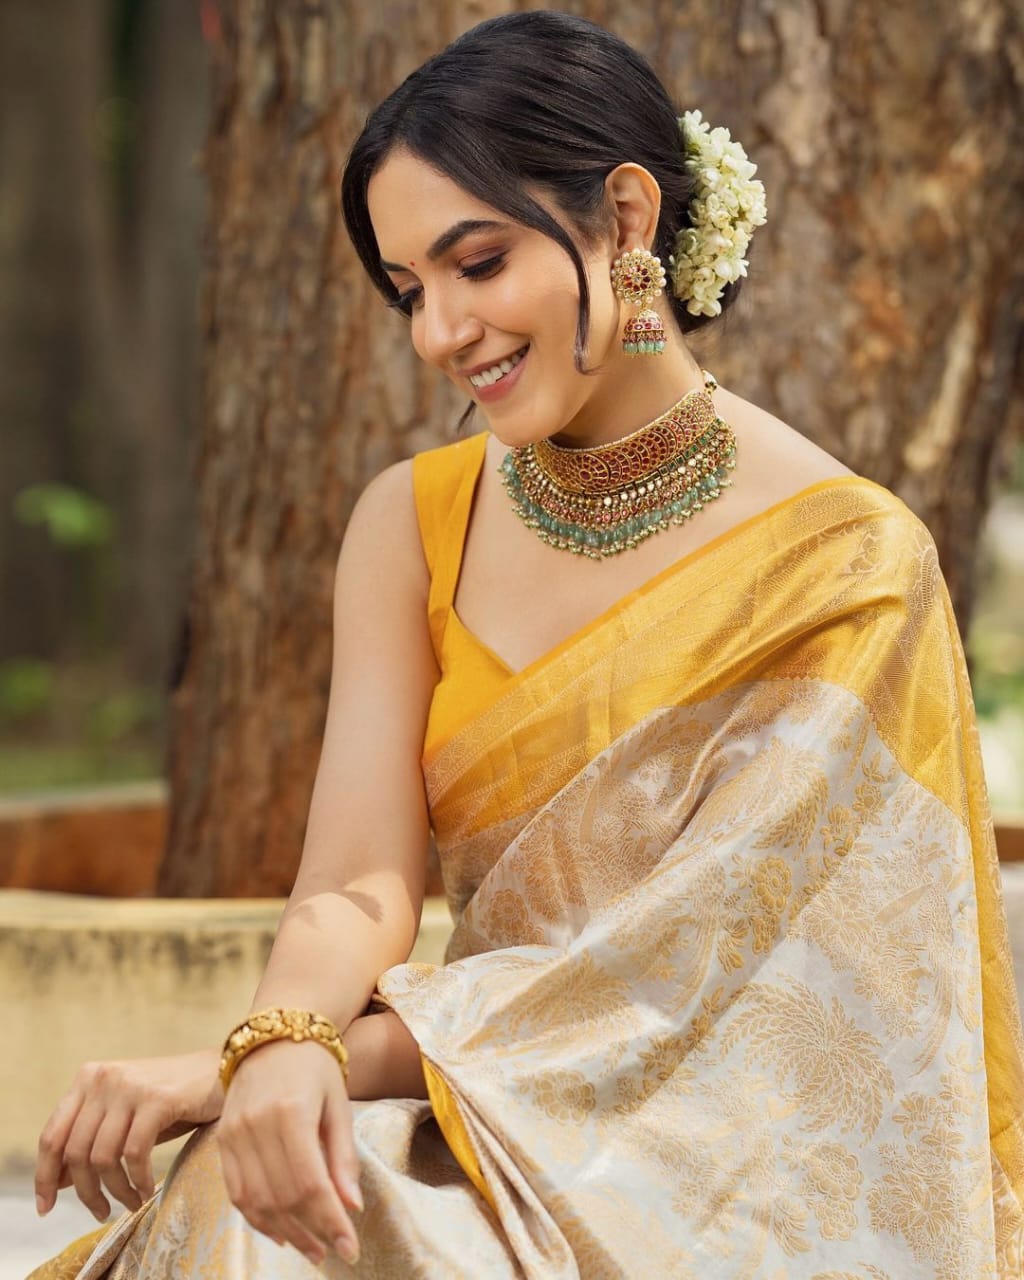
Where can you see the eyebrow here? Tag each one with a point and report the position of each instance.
(448, 239)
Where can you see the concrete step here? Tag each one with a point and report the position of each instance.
(85, 978)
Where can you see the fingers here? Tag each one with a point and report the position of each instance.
(138, 1150)
(102, 1119)
(313, 1199)
(277, 1176)
(261, 1202)
(340, 1149)
(240, 1192)
(77, 1156)
(102, 1133)
(50, 1166)
(105, 1157)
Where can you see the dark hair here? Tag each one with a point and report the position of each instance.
(538, 99)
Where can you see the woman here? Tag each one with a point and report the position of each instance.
(729, 991)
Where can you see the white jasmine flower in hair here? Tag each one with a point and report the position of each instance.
(728, 203)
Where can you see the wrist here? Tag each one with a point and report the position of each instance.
(269, 1026)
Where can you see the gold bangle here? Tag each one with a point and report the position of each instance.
(280, 1024)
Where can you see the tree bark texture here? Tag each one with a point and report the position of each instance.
(882, 317)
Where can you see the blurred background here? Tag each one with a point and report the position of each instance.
(196, 382)
(103, 110)
(105, 107)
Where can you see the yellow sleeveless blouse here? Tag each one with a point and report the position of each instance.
(444, 484)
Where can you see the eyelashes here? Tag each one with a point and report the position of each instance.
(405, 302)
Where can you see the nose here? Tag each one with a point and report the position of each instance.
(447, 326)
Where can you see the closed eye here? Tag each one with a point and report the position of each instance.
(406, 302)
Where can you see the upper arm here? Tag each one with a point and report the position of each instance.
(368, 814)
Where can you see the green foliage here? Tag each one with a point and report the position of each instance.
(46, 767)
(994, 691)
(72, 518)
(74, 723)
(26, 688)
(118, 715)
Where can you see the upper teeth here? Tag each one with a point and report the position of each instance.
(496, 371)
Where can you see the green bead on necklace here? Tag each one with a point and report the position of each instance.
(600, 501)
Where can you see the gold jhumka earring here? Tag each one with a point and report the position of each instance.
(638, 277)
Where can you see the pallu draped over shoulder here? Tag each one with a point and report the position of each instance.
(729, 992)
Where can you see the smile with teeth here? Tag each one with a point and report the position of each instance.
(497, 371)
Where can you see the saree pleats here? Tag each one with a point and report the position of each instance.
(729, 992)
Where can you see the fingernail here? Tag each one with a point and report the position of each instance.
(354, 1194)
(350, 1252)
(41, 1207)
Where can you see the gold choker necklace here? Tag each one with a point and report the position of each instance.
(600, 501)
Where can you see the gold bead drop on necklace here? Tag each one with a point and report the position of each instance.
(600, 501)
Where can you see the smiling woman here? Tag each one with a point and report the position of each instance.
(683, 703)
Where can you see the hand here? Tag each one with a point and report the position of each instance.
(119, 1111)
(287, 1149)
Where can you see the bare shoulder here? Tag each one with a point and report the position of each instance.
(383, 531)
(383, 670)
(382, 645)
(783, 460)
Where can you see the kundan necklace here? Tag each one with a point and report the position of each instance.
(597, 502)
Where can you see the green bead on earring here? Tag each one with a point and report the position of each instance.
(639, 277)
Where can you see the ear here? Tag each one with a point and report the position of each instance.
(634, 198)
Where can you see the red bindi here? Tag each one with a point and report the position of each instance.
(412, 264)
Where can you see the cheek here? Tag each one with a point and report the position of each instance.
(544, 296)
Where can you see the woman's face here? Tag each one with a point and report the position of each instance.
(493, 304)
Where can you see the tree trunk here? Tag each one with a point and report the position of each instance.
(309, 389)
(882, 318)
(886, 301)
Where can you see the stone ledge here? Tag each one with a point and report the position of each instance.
(103, 840)
(85, 978)
(110, 840)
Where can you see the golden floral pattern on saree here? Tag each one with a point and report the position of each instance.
(839, 1076)
(565, 1096)
(831, 1185)
(727, 934)
(756, 1020)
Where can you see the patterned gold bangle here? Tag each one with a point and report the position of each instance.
(280, 1024)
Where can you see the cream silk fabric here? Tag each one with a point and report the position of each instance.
(729, 992)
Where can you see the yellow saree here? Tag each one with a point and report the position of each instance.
(729, 992)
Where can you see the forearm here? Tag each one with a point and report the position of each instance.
(332, 946)
(383, 1059)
